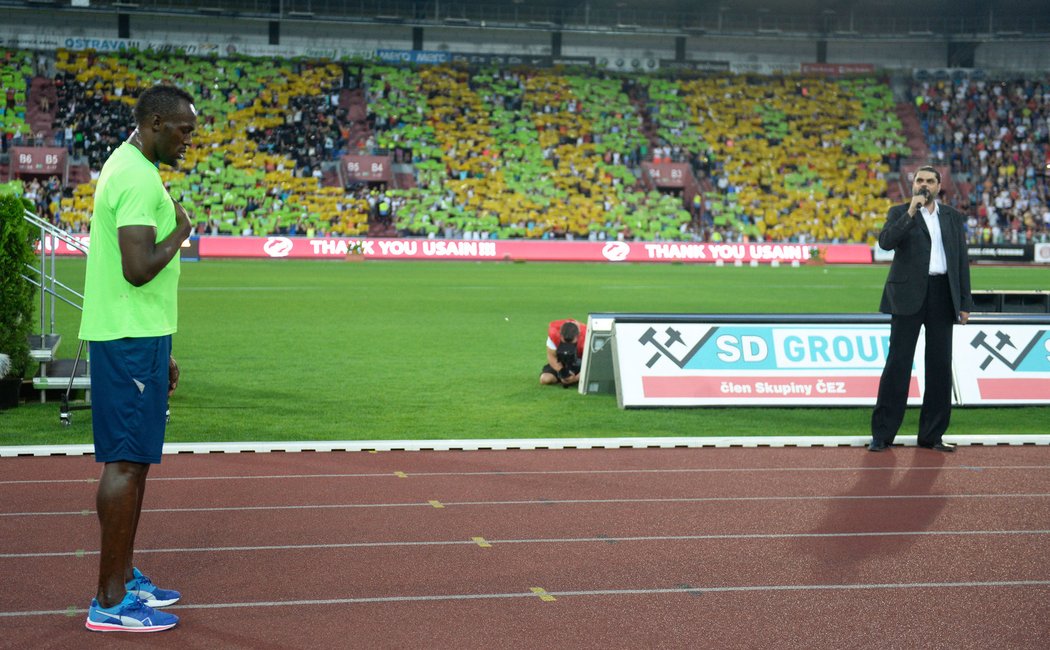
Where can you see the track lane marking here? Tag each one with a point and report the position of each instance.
(565, 472)
(547, 502)
(551, 540)
(677, 591)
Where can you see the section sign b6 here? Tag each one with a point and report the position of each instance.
(708, 364)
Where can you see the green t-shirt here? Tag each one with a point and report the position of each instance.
(129, 193)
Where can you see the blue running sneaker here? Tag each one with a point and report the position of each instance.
(150, 593)
(129, 615)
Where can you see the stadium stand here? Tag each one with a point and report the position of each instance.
(17, 69)
(993, 137)
(541, 152)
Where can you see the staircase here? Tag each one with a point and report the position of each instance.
(54, 373)
(916, 141)
(639, 98)
(39, 119)
(920, 156)
(356, 105)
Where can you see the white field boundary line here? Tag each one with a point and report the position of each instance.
(519, 443)
(552, 472)
(80, 553)
(684, 589)
(548, 502)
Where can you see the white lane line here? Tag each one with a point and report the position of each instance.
(692, 591)
(494, 444)
(547, 502)
(557, 472)
(555, 540)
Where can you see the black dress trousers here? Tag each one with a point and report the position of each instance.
(938, 315)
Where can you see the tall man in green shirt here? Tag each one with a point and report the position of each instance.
(130, 313)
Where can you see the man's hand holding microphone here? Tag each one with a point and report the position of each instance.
(921, 198)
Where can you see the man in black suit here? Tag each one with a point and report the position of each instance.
(928, 284)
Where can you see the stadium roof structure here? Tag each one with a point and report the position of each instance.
(974, 19)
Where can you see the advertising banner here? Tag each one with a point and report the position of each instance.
(1041, 253)
(1000, 252)
(58, 247)
(277, 247)
(808, 360)
(753, 363)
(837, 69)
(707, 66)
(1002, 363)
(190, 247)
(529, 250)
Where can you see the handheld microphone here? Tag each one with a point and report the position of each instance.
(925, 193)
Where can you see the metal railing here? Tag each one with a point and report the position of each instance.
(45, 277)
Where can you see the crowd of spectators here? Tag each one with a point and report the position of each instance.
(46, 194)
(995, 138)
(545, 153)
(315, 131)
(88, 122)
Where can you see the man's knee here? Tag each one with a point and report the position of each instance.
(122, 471)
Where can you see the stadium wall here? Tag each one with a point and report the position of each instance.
(48, 29)
(1031, 55)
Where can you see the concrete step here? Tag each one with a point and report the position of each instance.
(55, 375)
(43, 348)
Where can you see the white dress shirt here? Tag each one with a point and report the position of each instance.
(938, 261)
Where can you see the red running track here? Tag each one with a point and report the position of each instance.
(700, 548)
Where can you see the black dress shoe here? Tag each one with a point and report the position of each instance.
(877, 445)
(939, 446)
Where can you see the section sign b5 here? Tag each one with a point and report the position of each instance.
(707, 364)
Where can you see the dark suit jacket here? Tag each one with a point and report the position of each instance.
(909, 239)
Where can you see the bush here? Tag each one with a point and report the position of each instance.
(16, 293)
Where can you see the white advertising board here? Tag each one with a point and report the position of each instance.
(998, 363)
(815, 359)
(753, 363)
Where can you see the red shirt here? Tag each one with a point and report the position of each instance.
(554, 333)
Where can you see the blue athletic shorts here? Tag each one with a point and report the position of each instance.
(129, 398)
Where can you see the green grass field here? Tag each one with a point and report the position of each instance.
(308, 350)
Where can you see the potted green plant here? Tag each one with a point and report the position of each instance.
(16, 296)
(816, 255)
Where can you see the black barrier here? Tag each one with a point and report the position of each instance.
(1011, 302)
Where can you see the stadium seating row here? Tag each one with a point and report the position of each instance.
(513, 153)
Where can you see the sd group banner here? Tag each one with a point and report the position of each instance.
(998, 362)
(816, 360)
(753, 364)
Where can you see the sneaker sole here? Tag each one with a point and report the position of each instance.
(155, 604)
(104, 627)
